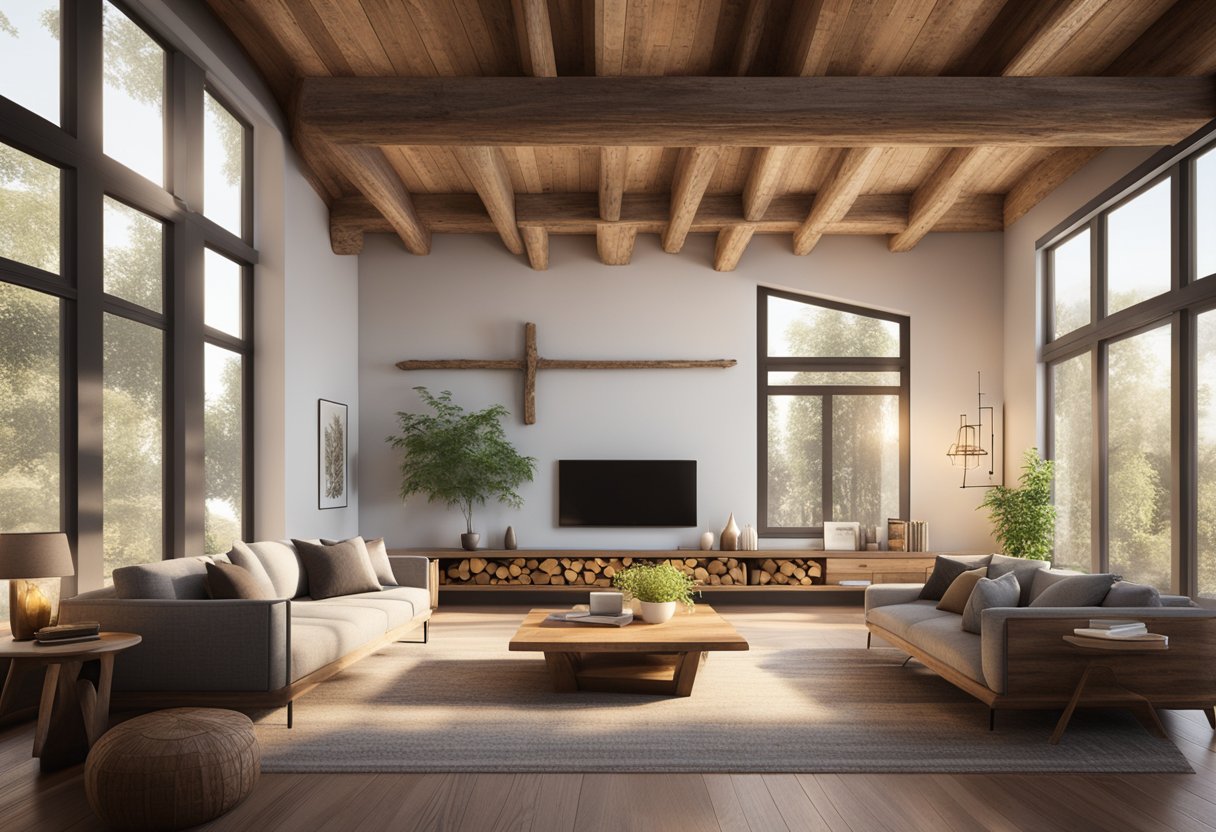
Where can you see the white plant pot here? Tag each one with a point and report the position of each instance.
(658, 612)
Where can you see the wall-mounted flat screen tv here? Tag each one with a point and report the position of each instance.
(616, 492)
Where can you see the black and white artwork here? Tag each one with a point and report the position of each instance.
(332, 466)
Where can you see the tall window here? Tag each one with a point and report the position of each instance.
(833, 404)
(103, 277)
(1131, 359)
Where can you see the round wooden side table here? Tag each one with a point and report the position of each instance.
(72, 713)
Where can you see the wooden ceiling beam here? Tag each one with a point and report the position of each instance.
(950, 180)
(536, 239)
(614, 242)
(375, 178)
(732, 242)
(814, 28)
(755, 111)
(535, 37)
(694, 169)
(763, 180)
(578, 213)
(614, 166)
(750, 33)
(833, 202)
(937, 195)
(1044, 178)
(487, 171)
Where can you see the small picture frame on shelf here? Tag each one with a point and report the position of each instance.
(841, 536)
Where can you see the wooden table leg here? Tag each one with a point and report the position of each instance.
(1072, 706)
(562, 669)
(686, 672)
(46, 705)
(1210, 713)
(99, 722)
(67, 741)
(16, 669)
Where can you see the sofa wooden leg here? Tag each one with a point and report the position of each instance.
(905, 664)
(868, 637)
(290, 714)
(426, 632)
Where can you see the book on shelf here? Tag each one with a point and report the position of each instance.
(856, 582)
(1141, 633)
(897, 535)
(584, 616)
(59, 633)
(1113, 623)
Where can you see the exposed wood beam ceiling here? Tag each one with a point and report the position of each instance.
(801, 118)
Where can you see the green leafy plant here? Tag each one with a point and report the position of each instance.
(457, 458)
(1024, 518)
(656, 583)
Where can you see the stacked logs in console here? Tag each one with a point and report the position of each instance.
(785, 572)
(581, 571)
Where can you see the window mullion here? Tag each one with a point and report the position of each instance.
(1098, 531)
(826, 471)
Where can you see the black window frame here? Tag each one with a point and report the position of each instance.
(766, 364)
(1189, 295)
(88, 176)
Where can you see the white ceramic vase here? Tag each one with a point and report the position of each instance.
(707, 541)
(656, 612)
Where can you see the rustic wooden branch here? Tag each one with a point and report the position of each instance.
(531, 363)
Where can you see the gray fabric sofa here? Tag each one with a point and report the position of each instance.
(1020, 659)
(242, 653)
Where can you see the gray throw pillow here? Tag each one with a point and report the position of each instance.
(244, 557)
(1046, 577)
(377, 553)
(1076, 591)
(341, 569)
(229, 581)
(1024, 568)
(945, 570)
(1128, 594)
(988, 593)
(172, 579)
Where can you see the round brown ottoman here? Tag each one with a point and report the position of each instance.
(172, 769)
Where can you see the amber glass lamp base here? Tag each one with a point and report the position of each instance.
(29, 609)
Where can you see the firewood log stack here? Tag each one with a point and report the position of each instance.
(785, 572)
(589, 571)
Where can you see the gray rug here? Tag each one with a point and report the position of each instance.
(458, 707)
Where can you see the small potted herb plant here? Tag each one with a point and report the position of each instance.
(659, 587)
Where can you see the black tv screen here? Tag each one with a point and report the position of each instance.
(613, 492)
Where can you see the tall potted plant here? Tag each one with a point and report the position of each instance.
(1023, 518)
(459, 459)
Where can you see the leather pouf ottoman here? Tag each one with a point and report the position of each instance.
(172, 769)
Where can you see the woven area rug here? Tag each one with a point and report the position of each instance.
(464, 705)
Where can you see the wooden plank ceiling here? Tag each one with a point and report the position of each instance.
(734, 117)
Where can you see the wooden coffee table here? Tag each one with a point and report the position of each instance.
(660, 659)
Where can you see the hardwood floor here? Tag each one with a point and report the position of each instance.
(673, 802)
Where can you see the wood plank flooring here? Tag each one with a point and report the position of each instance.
(674, 802)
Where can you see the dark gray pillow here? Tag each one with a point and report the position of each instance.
(945, 570)
(229, 581)
(377, 554)
(1128, 594)
(988, 593)
(341, 569)
(1024, 568)
(1076, 591)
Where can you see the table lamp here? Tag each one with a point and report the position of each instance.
(23, 558)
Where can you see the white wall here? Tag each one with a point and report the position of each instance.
(1024, 378)
(321, 360)
(470, 299)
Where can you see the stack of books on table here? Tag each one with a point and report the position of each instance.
(1116, 634)
(581, 615)
(69, 633)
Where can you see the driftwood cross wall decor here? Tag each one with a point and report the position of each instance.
(531, 363)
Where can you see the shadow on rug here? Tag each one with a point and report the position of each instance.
(448, 708)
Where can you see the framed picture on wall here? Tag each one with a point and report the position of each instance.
(332, 465)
